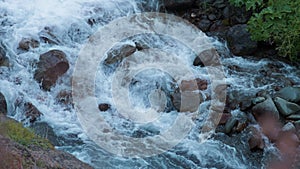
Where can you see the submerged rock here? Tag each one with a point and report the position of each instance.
(65, 97)
(4, 61)
(44, 130)
(119, 52)
(3, 104)
(239, 40)
(27, 43)
(51, 66)
(47, 35)
(286, 108)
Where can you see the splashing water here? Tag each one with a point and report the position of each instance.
(71, 23)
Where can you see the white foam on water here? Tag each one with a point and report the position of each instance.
(28, 18)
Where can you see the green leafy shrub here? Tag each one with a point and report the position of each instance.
(275, 21)
(22, 135)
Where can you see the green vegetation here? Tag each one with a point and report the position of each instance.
(22, 135)
(275, 21)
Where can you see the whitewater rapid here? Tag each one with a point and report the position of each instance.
(73, 22)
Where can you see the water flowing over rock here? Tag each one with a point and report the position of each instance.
(65, 97)
(44, 130)
(119, 52)
(286, 108)
(14, 155)
(3, 104)
(51, 66)
(27, 43)
(4, 61)
(31, 112)
(239, 40)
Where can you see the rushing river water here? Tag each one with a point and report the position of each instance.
(72, 22)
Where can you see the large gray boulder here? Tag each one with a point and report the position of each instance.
(286, 108)
(51, 66)
(290, 94)
(265, 108)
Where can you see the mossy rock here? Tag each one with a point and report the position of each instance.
(22, 135)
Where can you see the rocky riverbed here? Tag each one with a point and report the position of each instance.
(259, 127)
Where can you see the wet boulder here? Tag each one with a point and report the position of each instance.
(294, 117)
(31, 112)
(51, 66)
(44, 130)
(290, 94)
(256, 140)
(198, 62)
(47, 35)
(239, 40)
(189, 98)
(265, 108)
(224, 118)
(4, 61)
(119, 52)
(27, 43)
(64, 97)
(104, 106)
(192, 85)
(3, 104)
(258, 100)
(187, 101)
(286, 108)
(230, 124)
(289, 127)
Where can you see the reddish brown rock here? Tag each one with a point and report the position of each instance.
(255, 140)
(191, 85)
(51, 66)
